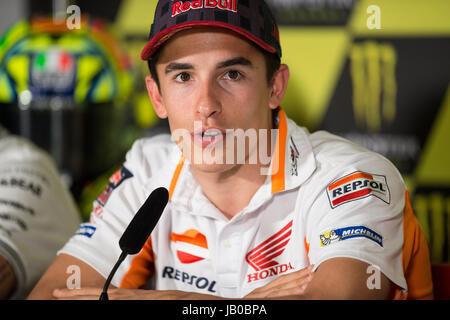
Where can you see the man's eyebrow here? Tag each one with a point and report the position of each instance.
(174, 66)
(235, 61)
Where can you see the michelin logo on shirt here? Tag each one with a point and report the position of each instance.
(356, 186)
(341, 234)
(86, 229)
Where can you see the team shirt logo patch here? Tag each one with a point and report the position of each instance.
(191, 246)
(336, 235)
(294, 157)
(86, 229)
(358, 185)
(181, 7)
(261, 258)
(114, 181)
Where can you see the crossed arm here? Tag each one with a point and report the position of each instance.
(337, 278)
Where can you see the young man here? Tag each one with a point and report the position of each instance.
(235, 226)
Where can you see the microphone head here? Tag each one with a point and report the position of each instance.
(144, 221)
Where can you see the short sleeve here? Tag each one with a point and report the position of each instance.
(356, 211)
(97, 241)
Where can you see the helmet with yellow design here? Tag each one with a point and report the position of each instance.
(67, 91)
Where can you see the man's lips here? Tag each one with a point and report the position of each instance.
(208, 137)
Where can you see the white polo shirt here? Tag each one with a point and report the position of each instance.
(329, 198)
(37, 213)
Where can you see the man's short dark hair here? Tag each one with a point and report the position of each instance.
(272, 65)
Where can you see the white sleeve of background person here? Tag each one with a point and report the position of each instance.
(342, 221)
(97, 242)
(37, 212)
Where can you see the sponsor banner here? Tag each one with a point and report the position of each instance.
(358, 185)
(336, 235)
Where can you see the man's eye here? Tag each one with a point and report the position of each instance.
(233, 75)
(183, 77)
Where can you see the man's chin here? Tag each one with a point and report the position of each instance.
(211, 167)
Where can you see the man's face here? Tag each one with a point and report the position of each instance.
(211, 81)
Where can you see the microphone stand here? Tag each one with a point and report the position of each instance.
(104, 295)
(139, 230)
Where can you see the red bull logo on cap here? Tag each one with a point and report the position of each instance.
(181, 7)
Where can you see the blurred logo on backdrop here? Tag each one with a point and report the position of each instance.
(68, 91)
(312, 12)
(374, 104)
(432, 208)
(53, 70)
(374, 86)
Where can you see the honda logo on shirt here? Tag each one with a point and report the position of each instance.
(190, 246)
(262, 257)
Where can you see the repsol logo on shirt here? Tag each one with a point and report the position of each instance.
(357, 185)
(181, 7)
(22, 184)
(198, 282)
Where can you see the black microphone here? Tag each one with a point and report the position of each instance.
(139, 229)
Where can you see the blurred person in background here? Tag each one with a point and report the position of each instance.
(68, 92)
(63, 107)
(37, 214)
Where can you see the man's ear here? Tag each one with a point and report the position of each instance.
(278, 86)
(155, 97)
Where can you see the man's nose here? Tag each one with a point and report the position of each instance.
(208, 104)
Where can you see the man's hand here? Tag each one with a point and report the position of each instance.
(336, 278)
(292, 284)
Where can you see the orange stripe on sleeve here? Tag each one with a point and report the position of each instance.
(415, 258)
(141, 269)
